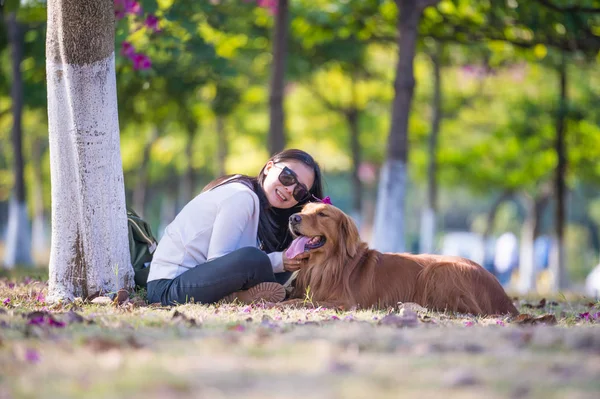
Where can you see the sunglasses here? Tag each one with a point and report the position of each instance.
(288, 177)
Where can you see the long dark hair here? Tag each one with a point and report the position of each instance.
(273, 233)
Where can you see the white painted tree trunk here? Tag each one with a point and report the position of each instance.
(560, 280)
(18, 236)
(426, 243)
(89, 251)
(39, 241)
(527, 281)
(388, 235)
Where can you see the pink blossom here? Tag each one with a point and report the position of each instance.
(127, 49)
(124, 7)
(468, 323)
(151, 22)
(141, 62)
(500, 323)
(11, 285)
(334, 317)
(271, 5)
(133, 7)
(6, 301)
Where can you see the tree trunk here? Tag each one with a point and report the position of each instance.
(352, 120)
(529, 232)
(558, 266)
(141, 187)
(428, 215)
(526, 281)
(488, 260)
(186, 184)
(491, 217)
(221, 145)
(89, 252)
(277, 120)
(18, 237)
(389, 216)
(39, 240)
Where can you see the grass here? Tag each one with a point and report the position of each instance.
(259, 351)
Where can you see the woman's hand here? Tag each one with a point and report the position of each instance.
(296, 263)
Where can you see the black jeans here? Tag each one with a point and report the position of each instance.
(211, 281)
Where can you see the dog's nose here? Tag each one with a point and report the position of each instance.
(295, 218)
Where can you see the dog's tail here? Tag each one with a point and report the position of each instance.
(462, 287)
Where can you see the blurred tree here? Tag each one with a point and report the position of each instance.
(277, 114)
(389, 216)
(89, 253)
(18, 243)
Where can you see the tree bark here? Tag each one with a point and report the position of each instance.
(529, 232)
(18, 240)
(352, 120)
(277, 114)
(559, 281)
(221, 145)
(389, 215)
(187, 184)
(428, 215)
(39, 240)
(141, 187)
(89, 252)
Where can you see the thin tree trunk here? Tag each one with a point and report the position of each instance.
(141, 187)
(89, 252)
(489, 227)
(558, 267)
(39, 240)
(389, 216)
(526, 281)
(529, 232)
(352, 120)
(491, 216)
(18, 240)
(186, 184)
(277, 120)
(221, 145)
(429, 212)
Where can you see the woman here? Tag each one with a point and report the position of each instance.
(213, 249)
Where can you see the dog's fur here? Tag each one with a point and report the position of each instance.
(345, 272)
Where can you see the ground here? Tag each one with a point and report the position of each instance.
(261, 351)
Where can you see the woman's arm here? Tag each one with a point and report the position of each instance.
(232, 218)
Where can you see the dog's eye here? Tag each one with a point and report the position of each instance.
(322, 214)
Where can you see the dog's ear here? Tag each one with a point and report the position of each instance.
(349, 238)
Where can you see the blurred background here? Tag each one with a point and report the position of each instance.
(506, 106)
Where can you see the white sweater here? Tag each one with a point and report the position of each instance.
(211, 225)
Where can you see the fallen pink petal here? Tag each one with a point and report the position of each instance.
(32, 355)
(41, 297)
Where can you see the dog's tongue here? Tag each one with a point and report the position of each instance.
(296, 247)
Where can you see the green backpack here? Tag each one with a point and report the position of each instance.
(142, 245)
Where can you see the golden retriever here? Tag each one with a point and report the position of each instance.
(342, 270)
